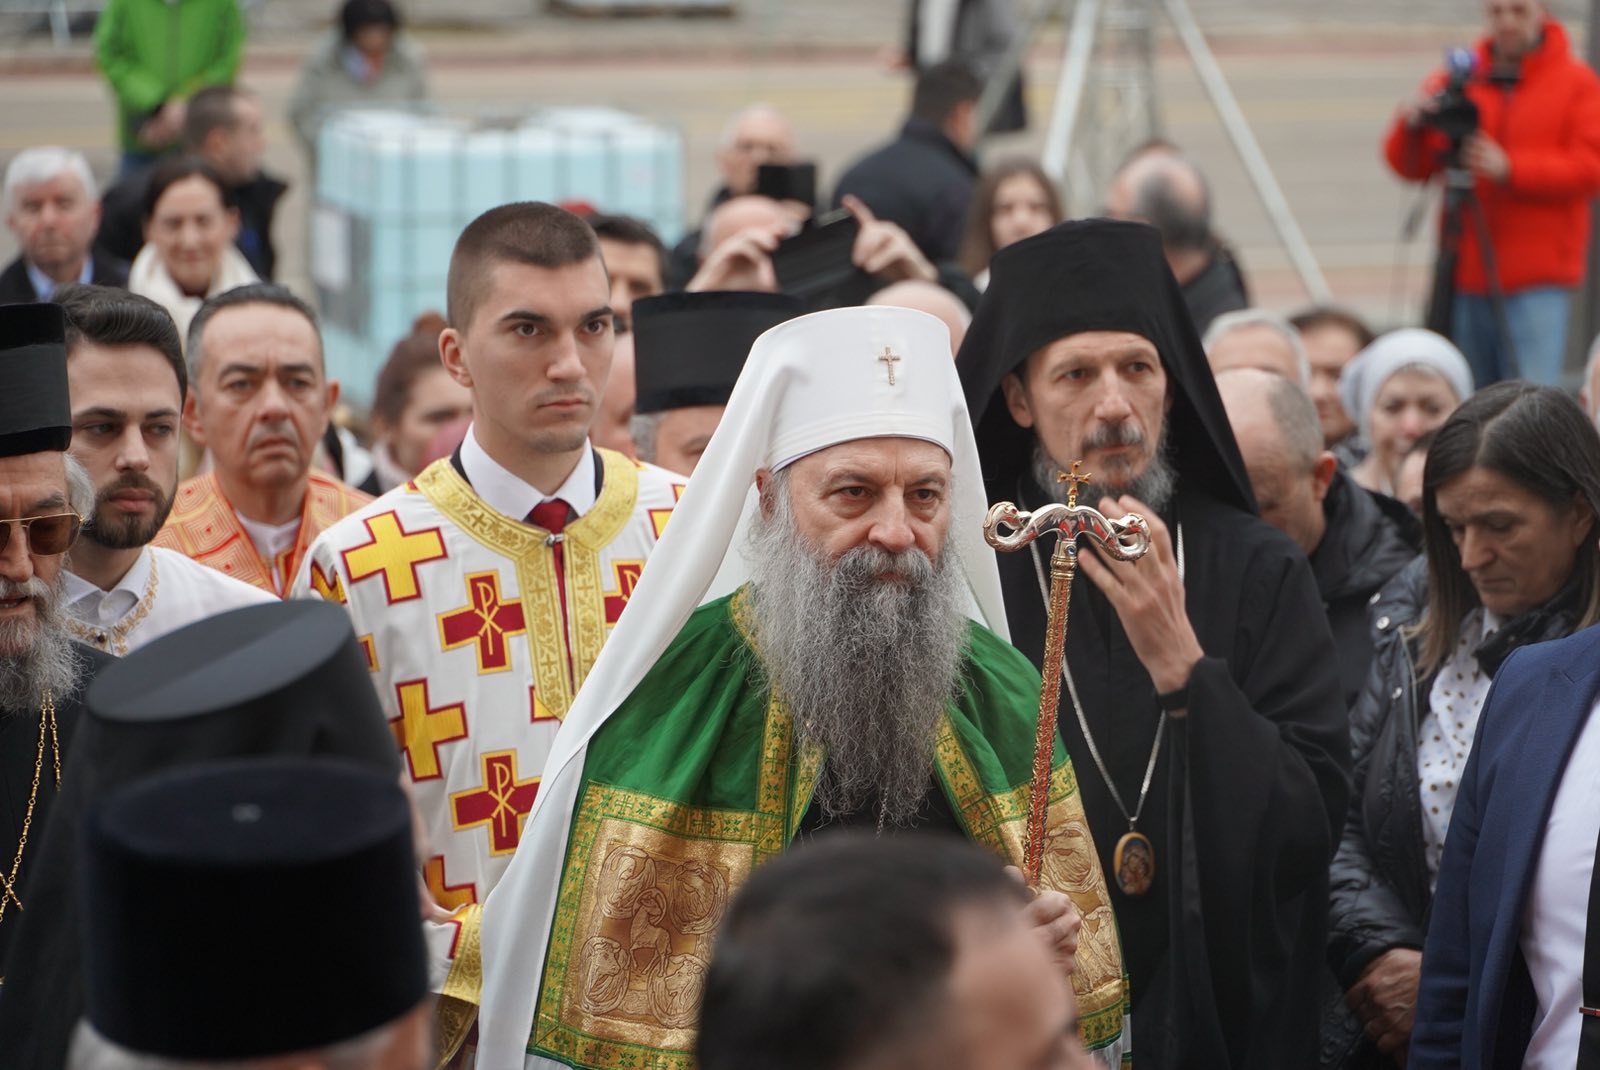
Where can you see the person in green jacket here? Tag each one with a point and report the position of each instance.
(155, 54)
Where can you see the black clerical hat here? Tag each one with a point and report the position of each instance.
(1094, 275)
(250, 908)
(274, 664)
(284, 679)
(689, 348)
(35, 410)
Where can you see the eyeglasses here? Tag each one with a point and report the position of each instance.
(47, 535)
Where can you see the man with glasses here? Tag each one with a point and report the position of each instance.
(43, 497)
(127, 380)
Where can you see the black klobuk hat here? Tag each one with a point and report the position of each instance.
(250, 908)
(689, 348)
(285, 679)
(35, 408)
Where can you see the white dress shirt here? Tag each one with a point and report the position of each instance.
(270, 539)
(160, 593)
(507, 493)
(1557, 914)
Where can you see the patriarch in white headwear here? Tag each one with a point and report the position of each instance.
(818, 642)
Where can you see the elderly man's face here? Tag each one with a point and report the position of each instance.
(54, 221)
(1099, 397)
(34, 484)
(889, 493)
(1256, 346)
(760, 136)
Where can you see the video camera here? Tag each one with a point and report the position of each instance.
(1453, 113)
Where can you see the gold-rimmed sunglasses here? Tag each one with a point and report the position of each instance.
(47, 535)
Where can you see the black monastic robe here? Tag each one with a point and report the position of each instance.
(1253, 813)
(1225, 951)
(19, 752)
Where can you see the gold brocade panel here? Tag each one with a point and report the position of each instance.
(1070, 865)
(647, 881)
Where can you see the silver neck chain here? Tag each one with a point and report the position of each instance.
(1077, 706)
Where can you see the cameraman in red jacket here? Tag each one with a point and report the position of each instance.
(1536, 162)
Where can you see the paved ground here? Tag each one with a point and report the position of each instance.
(1316, 81)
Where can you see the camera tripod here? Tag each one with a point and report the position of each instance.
(1064, 148)
(1461, 200)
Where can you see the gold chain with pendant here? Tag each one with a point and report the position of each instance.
(47, 723)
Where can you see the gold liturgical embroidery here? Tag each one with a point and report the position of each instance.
(114, 640)
(585, 537)
(1000, 823)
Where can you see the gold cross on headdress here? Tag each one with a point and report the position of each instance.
(1075, 479)
(889, 360)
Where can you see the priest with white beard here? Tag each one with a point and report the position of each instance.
(819, 642)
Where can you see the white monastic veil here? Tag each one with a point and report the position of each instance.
(810, 383)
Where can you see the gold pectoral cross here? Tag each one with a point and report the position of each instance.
(889, 360)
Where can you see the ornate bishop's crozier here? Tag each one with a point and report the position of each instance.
(1009, 528)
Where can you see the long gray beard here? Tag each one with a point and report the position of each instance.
(1154, 486)
(866, 667)
(36, 655)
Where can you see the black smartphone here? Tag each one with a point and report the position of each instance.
(788, 182)
(817, 259)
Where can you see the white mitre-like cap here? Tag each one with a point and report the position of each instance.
(810, 383)
(856, 373)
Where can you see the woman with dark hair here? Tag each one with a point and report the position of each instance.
(190, 224)
(1015, 199)
(1510, 497)
(367, 62)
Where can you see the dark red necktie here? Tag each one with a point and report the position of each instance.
(552, 516)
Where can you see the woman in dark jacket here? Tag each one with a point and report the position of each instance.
(1511, 493)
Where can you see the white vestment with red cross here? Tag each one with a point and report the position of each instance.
(478, 628)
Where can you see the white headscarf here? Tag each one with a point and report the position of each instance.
(1364, 376)
(810, 383)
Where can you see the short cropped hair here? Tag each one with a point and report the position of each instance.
(1296, 418)
(111, 316)
(32, 166)
(255, 293)
(836, 951)
(1183, 223)
(525, 232)
(212, 108)
(942, 88)
(1245, 318)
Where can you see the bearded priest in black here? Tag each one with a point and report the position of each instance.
(42, 669)
(1201, 692)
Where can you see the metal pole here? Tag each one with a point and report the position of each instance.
(1244, 143)
(1069, 91)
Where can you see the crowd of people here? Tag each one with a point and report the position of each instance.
(656, 577)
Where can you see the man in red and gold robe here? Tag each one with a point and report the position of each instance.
(259, 402)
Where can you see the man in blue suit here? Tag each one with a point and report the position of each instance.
(1516, 917)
